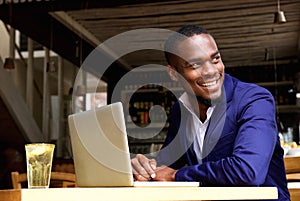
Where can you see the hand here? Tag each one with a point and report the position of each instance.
(143, 168)
(164, 173)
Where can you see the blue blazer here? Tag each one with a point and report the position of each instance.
(241, 145)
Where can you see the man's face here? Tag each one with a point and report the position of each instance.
(199, 63)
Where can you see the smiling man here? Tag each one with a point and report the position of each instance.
(222, 131)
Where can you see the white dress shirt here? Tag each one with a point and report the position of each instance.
(195, 128)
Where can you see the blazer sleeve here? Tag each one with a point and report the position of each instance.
(254, 111)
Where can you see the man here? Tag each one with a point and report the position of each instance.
(222, 131)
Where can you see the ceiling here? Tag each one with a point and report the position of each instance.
(244, 30)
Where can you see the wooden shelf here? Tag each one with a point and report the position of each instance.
(150, 126)
(146, 141)
(288, 109)
(275, 84)
(154, 90)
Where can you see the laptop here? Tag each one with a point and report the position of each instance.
(100, 149)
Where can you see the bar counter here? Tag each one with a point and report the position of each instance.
(140, 193)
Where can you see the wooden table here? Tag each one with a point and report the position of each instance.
(292, 164)
(294, 189)
(292, 168)
(140, 193)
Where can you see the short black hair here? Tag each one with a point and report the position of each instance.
(180, 35)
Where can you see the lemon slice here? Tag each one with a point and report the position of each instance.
(38, 150)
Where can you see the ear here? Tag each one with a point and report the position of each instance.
(172, 73)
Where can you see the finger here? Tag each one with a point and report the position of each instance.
(141, 178)
(148, 168)
(153, 164)
(137, 176)
(137, 164)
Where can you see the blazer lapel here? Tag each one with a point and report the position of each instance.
(215, 127)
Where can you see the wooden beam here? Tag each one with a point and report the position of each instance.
(77, 28)
(64, 5)
(49, 33)
(46, 103)
(29, 76)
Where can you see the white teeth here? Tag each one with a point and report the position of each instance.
(209, 84)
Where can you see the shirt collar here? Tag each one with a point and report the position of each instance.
(187, 101)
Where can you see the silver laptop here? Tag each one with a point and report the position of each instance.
(100, 149)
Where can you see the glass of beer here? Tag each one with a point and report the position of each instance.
(39, 158)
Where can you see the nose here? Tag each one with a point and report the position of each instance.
(208, 69)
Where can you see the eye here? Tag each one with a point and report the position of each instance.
(216, 59)
(195, 65)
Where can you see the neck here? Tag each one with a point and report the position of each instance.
(203, 109)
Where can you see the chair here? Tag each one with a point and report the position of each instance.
(58, 179)
(292, 168)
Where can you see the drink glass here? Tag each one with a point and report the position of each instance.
(39, 158)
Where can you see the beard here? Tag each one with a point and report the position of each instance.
(204, 101)
(209, 102)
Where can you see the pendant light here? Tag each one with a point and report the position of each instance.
(279, 17)
(9, 63)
